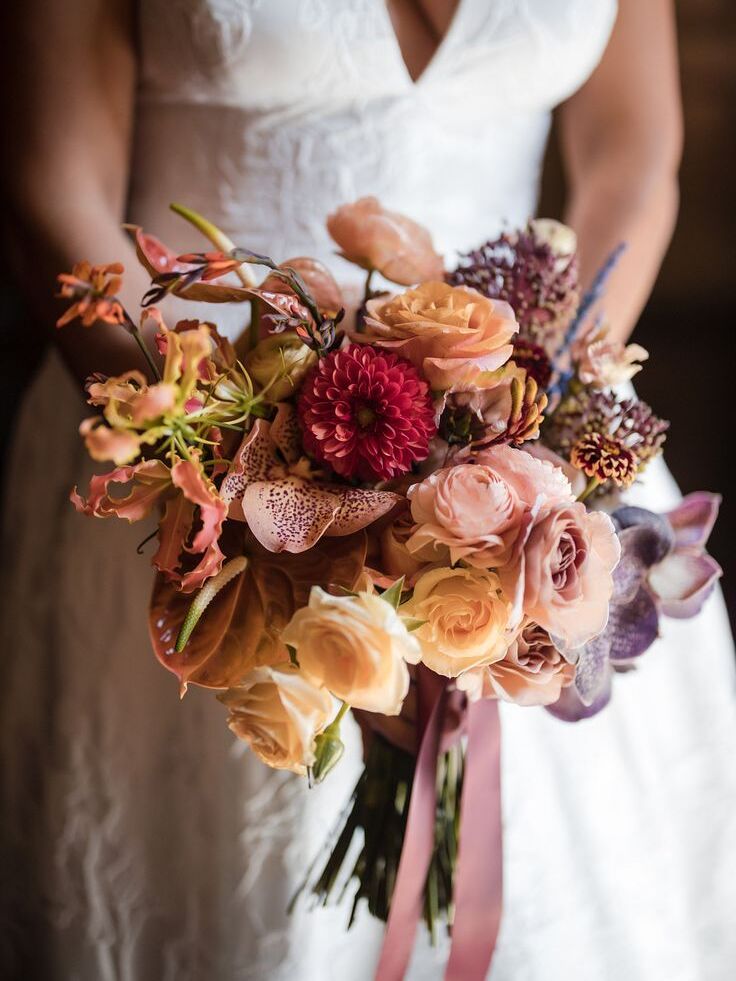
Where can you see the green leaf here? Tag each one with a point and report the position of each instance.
(411, 623)
(392, 595)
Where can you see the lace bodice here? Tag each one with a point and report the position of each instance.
(266, 115)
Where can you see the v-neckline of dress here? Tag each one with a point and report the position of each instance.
(439, 52)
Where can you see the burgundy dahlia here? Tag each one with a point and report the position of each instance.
(366, 414)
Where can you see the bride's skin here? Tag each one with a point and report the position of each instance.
(69, 90)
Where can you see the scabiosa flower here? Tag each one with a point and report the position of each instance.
(630, 420)
(604, 458)
(366, 414)
(535, 272)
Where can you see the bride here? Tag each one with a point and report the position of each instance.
(140, 841)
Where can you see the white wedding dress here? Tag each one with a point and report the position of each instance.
(141, 841)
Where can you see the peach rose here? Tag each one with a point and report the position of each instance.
(279, 714)
(394, 245)
(476, 511)
(355, 646)
(603, 362)
(453, 334)
(466, 619)
(565, 572)
(532, 672)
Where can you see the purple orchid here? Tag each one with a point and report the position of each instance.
(664, 571)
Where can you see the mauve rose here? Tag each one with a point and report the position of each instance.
(532, 672)
(565, 572)
(394, 245)
(453, 334)
(476, 511)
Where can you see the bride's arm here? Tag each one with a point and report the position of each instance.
(621, 141)
(68, 95)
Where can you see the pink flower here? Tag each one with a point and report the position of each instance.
(394, 245)
(564, 579)
(366, 414)
(476, 511)
(532, 672)
(603, 362)
(455, 336)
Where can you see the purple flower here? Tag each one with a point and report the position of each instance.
(664, 570)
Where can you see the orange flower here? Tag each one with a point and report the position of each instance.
(93, 289)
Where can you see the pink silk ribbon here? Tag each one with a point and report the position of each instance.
(478, 878)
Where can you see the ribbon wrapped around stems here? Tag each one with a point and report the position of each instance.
(478, 877)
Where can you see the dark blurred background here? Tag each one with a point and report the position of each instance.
(689, 320)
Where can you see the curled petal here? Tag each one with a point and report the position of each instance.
(255, 460)
(683, 582)
(191, 480)
(103, 443)
(150, 480)
(693, 519)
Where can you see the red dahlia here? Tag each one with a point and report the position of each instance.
(366, 414)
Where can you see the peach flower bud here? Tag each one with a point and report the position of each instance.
(532, 672)
(465, 619)
(454, 335)
(316, 277)
(567, 572)
(603, 362)
(355, 646)
(280, 361)
(279, 714)
(394, 245)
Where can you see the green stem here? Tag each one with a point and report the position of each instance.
(218, 238)
(367, 292)
(135, 332)
(593, 482)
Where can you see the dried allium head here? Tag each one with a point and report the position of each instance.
(630, 420)
(528, 271)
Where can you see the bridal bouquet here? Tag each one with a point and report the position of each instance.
(405, 504)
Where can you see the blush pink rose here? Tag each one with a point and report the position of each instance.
(532, 672)
(565, 573)
(394, 245)
(453, 334)
(477, 511)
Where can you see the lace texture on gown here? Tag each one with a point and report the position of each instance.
(141, 842)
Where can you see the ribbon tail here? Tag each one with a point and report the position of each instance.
(479, 876)
(416, 852)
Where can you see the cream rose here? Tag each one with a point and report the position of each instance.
(532, 671)
(279, 713)
(466, 619)
(453, 334)
(355, 646)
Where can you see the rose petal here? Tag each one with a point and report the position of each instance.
(683, 582)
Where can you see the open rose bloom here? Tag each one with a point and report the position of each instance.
(356, 507)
